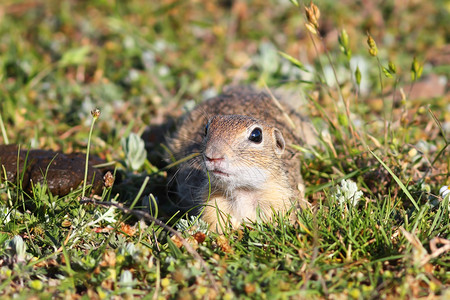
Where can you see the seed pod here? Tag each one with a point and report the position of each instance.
(373, 50)
(343, 41)
(416, 69)
(392, 67)
(312, 14)
(358, 76)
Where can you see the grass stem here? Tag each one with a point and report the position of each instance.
(95, 113)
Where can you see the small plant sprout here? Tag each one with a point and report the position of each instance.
(18, 249)
(193, 225)
(109, 217)
(135, 153)
(347, 192)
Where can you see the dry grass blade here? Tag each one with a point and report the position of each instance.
(436, 251)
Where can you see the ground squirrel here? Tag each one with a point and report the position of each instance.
(244, 140)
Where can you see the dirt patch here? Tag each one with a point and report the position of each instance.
(61, 172)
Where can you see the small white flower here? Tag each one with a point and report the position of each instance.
(347, 192)
(148, 59)
(434, 202)
(444, 191)
(126, 279)
(133, 75)
(163, 71)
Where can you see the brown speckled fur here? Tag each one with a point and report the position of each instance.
(190, 179)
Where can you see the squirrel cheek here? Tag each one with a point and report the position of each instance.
(255, 177)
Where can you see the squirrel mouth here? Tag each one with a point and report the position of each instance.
(219, 173)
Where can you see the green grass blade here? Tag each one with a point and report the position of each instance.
(399, 182)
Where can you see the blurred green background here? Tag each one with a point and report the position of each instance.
(140, 60)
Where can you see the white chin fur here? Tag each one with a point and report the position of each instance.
(248, 177)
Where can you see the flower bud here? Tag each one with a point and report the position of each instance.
(343, 41)
(108, 179)
(416, 69)
(312, 14)
(95, 113)
(358, 76)
(392, 67)
(373, 50)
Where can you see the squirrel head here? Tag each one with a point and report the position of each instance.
(241, 151)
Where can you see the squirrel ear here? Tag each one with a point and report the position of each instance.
(280, 144)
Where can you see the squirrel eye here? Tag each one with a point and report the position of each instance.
(256, 135)
(206, 128)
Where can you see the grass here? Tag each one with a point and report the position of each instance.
(140, 63)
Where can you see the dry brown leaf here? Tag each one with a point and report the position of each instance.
(223, 244)
(199, 237)
(249, 288)
(109, 259)
(127, 229)
(176, 240)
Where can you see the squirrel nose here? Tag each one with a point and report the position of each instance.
(213, 162)
(214, 152)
